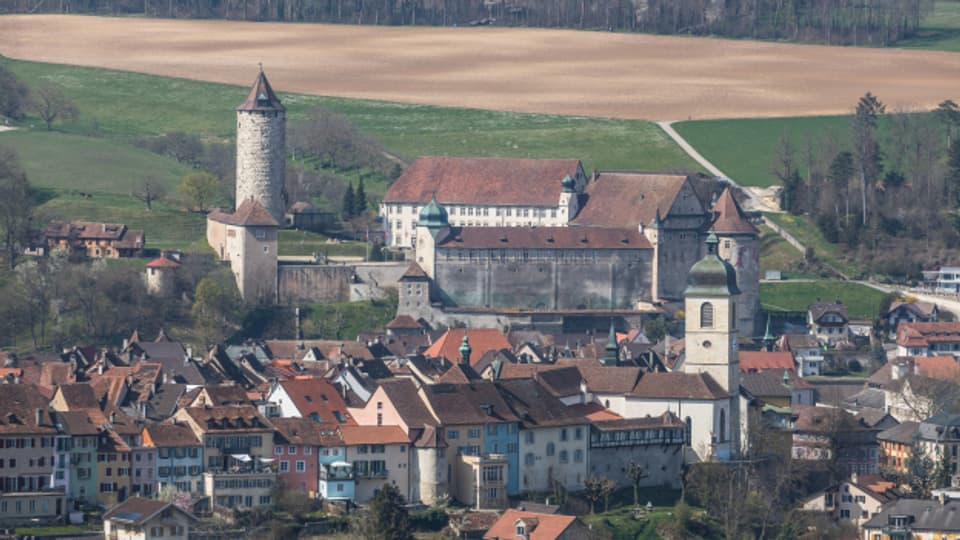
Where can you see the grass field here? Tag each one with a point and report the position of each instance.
(744, 149)
(303, 243)
(777, 254)
(940, 30)
(862, 302)
(94, 154)
(807, 233)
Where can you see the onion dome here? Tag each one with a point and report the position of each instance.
(433, 215)
(569, 184)
(711, 275)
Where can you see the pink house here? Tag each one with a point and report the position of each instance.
(298, 444)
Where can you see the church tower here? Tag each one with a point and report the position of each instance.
(739, 244)
(711, 335)
(432, 226)
(261, 149)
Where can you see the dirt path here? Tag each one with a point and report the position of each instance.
(533, 70)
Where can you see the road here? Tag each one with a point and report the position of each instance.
(950, 303)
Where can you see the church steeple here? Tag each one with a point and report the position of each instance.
(768, 337)
(611, 352)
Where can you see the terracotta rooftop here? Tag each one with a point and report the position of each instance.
(355, 435)
(163, 262)
(543, 238)
(415, 271)
(316, 396)
(667, 419)
(404, 322)
(261, 97)
(762, 360)
(628, 199)
(250, 213)
(79, 396)
(230, 419)
(19, 404)
(305, 432)
(402, 393)
(609, 380)
(482, 181)
(539, 526)
(921, 334)
(474, 403)
(481, 340)
(594, 412)
(169, 435)
(730, 218)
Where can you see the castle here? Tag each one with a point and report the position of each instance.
(493, 235)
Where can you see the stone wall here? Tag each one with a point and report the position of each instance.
(261, 160)
(614, 282)
(314, 283)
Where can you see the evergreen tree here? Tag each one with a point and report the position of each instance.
(921, 472)
(349, 203)
(360, 200)
(386, 519)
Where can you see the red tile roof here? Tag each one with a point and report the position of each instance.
(229, 419)
(317, 396)
(250, 213)
(163, 262)
(761, 360)
(482, 181)
(306, 432)
(138, 511)
(404, 322)
(595, 412)
(628, 199)
(354, 435)
(730, 218)
(920, 334)
(481, 340)
(539, 526)
(170, 435)
(543, 238)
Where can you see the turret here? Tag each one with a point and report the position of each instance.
(432, 224)
(465, 350)
(611, 352)
(261, 152)
(739, 244)
(569, 203)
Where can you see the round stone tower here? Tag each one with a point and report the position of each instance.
(739, 244)
(261, 149)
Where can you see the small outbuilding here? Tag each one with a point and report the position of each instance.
(161, 277)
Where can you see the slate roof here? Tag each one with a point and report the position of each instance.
(903, 433)
(170, 435)
(729, 217)
(535, 406)
(261, 96)
(250, 213)
(763, 360)
(918, 308)
(628, 199)
(539, 526)
(927, 515)
(481, 341)
(562, 381)
(482, 181)
(139, 511)
(658, 385)
(769, 383)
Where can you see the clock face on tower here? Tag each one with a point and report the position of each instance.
(707, 344)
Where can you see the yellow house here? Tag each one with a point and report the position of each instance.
(113, 469)
(143, 519)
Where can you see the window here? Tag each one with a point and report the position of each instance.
(301, 465)
(292, 450)
(550, 449)
(563, 434)
(453, 434)
(284, 466)
(706, 315)
(529, 459)
(521, 530)
(578, 433)
(307, 450)
(723, 425)
(491, 429)
(578, 456)
(528, 437)
(564, 456)
(278, 451)
(474, 433)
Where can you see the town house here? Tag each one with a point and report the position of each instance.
(302, 448)
(179, 457)
(378, 455)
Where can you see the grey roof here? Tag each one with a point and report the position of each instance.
(163, 403)
(535, 406)
(903, 433)
(942, 426)
(926, 515)
(801, 341)
(868, 398)
(819, 309)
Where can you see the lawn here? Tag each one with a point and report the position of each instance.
(862, 302)
(807, 233)
(117, 103)
(938, 31)
(303, 243)
(744, 149)
(345, 320)
(777, 254)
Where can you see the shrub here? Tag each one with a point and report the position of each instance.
(433, 519)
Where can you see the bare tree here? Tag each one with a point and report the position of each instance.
(51, 105)
(597, 488)
(149, 191)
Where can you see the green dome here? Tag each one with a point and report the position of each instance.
(433, 215)
(711, 275)
(569, 184)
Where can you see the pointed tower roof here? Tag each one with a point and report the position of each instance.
(611, 350)
(730, 218)
(261, 96)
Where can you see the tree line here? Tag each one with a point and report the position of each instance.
(857, 22)
(888, 189)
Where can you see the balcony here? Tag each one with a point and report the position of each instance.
(335, 473)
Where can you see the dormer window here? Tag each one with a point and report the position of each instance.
(263, 100)
(521, 529)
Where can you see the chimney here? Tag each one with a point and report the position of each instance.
(39, 417)
(296, 321)
(189, 352)
(113, 417)
(100, 368)
(126, 343)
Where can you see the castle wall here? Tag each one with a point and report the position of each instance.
(261, 165)
(602, 281)
(217, 238)
(314, 283)
(256, 263)
(679, 250)
(743, 253)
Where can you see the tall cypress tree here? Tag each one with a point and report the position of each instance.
(349, 203)
(360, 200)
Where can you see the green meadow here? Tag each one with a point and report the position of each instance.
(862, 302)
